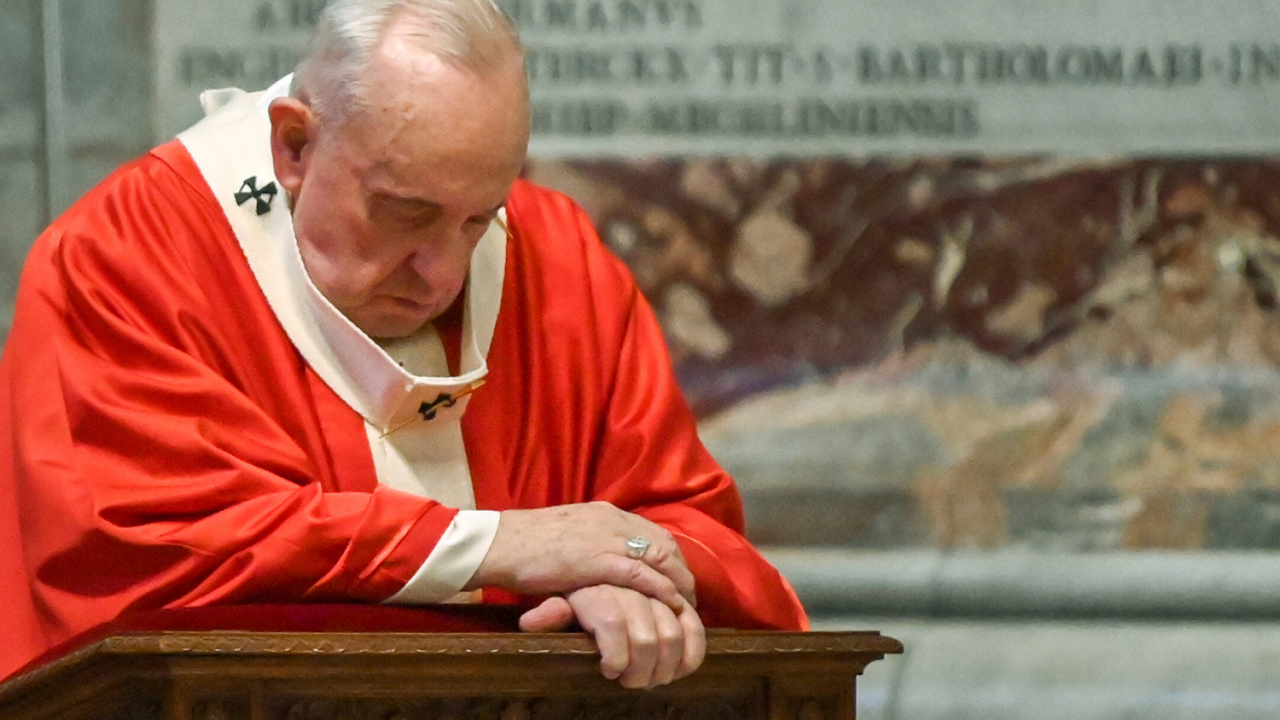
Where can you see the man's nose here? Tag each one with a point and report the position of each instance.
(442, 260)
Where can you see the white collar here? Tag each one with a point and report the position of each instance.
(232, 145)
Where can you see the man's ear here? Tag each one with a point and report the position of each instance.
(293, 137)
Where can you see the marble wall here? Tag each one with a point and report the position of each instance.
(1064, 355)
(22, 180)
(67, 116)
(915, 352)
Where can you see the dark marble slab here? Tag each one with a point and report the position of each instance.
(813, 266)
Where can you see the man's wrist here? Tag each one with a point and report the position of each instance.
(493, 569)
(454, 561)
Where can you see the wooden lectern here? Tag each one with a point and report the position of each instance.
(384, 663)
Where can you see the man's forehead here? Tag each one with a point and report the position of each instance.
(401, 92)
(382, 187)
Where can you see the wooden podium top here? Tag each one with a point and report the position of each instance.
(277, 661)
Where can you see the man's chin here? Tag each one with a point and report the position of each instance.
(391, 328)
(391, 318)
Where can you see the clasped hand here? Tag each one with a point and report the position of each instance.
(640, 611)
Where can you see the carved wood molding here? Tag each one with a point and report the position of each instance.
(140, 710)
(471, 644)
(633, 707)
(272, 643)
(729, 642)
(847, 649)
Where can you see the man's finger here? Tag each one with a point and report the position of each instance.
(642, 639)
(695, 643)
(640, 576)
(552, 615)
(671, 644)
(601, 615)
(663, 554)
(668, 560)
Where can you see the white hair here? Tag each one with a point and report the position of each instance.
(474, 34)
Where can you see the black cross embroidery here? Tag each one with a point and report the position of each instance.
(428, 409)
(249, 190)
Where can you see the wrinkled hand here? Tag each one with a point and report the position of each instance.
(564, 548)
(643, 643)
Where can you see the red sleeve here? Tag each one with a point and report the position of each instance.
(609, 411)
(165, 444)
(656, 466)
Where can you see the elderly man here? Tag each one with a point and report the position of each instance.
(327, 347)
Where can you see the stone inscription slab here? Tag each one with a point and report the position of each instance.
(769, 77)
(231, 43)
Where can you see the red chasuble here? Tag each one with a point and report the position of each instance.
(164, 445)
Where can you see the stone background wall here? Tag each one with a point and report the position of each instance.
(1061, 355)
(22, 177)
(1037, 390)
(57, 139)
(915, 352)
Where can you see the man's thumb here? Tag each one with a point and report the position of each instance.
(553, 615)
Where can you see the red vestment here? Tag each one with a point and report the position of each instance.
(163, 444)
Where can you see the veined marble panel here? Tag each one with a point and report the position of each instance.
(1061, 354)
(894, 335)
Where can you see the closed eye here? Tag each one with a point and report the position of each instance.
(485, 219)
(402, 212)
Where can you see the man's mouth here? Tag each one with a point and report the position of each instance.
(411, 304)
